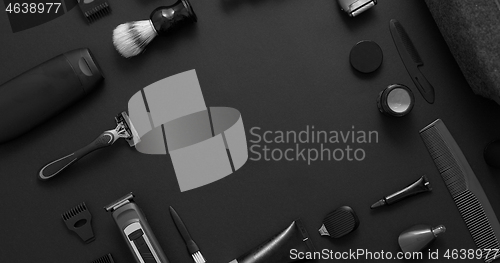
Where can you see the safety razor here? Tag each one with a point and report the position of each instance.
(124, 129)
(136, 231)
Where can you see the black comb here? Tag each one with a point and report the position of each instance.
(340, 222)
(78, 219)
(104, 259)
(465, 189)
(94, 9)
(408, 44)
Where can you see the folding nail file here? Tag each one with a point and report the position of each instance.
(170, 116)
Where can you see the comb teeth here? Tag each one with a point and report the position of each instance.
(408, 44)
(97, 12)
(198, 257)
(104, 259)
(472, 204)
(446, 163)
(74, 211)
(478, 224)
(340, 222)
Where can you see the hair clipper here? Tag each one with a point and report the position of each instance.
(136, 231)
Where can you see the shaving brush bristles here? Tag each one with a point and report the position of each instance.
(130, 39)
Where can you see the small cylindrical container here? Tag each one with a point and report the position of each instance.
(396, 100)
(45, 90)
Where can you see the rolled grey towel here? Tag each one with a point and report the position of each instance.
(472, 31)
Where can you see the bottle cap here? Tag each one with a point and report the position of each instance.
(85, 67)
(438, 230)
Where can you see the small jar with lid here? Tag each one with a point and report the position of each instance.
(396, 100)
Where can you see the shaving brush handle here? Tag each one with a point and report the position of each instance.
(54, 168)
(167, 18)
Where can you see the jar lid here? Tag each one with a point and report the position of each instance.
(366, 56)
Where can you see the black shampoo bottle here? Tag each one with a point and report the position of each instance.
(45, 90)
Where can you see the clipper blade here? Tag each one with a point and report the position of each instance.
(116, 204)
(104, 259)
(126, 129)
(93, 10)
(78, 219)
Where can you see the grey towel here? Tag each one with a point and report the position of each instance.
(472, 31)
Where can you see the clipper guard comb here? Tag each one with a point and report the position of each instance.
(104, 259)
(93, 10)
(78, 219)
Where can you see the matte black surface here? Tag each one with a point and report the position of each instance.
(283, 65)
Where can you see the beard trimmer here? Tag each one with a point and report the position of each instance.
(136, 231)
(124, 129)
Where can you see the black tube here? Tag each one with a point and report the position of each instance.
(421, 185)
(45, 90)
(277, 249)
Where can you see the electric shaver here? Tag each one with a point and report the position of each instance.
(136, 231)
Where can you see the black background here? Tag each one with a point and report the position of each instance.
(284, 65)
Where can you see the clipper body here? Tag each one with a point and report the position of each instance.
(136, 231)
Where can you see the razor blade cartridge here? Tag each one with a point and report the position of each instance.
(126, 130)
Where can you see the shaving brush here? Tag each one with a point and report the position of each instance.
(130, 39)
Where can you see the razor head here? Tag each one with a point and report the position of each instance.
(78, 219)
(126, 129)
(104, 259)
(120, 202)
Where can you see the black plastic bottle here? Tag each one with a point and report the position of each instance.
(45, 90)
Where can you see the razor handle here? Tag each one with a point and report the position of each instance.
(52, 169)
(138, 234)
